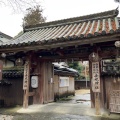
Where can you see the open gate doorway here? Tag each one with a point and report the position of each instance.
(71, 82)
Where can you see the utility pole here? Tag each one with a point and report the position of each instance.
(86, 73)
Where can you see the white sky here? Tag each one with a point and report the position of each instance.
(10, 23)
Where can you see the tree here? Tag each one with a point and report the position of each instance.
(19, 5)
(76, 65)
(33, 16)
(117, 1)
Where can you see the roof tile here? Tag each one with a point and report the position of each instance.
(79, 27)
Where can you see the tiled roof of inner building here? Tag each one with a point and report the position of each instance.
(69, 29)
(19, 72)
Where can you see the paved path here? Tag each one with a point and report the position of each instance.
(51, 116)
(77, 108)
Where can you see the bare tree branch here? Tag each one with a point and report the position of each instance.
(19, 5)
(117, 1)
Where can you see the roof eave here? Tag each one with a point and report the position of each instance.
(56, 44)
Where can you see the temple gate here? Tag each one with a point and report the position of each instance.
(73, 39)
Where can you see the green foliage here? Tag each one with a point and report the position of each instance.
(77, 66)
(34, 16)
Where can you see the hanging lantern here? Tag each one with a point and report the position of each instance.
(19, 62)
(3, 55)
(117, 44)
(93, 57)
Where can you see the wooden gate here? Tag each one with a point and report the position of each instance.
(48, 83)
(115, 101)
(45, 91)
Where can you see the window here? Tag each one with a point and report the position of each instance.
(63, 81)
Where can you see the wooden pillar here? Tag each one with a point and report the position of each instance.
(95, 81)
(91, 92)
(1, 68)
(102, 94)
(26, 82)
(97, 103)
(38, 98)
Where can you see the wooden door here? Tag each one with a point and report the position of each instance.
(48, 83)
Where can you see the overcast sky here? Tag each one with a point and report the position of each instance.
(10, 23)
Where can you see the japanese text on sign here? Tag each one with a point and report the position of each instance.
(95, 77)
(26, 75)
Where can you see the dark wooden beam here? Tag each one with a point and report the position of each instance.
(104, 54)
(60, 53)
(68, 56)
(108, 54)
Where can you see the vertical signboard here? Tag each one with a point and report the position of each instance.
(95, 81)
(1, 68)
(26, 75)
(95, 77)
(114, 104)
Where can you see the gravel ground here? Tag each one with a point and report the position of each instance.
(6, 117)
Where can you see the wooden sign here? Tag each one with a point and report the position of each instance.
(95, 77)
(1, 68)
(26, 75)
(114, 105)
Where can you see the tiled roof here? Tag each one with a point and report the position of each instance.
(58, 70)
(5, 82)
(4, 38)
(3, 35)
(69, 29)
(63, 70)
(16, 73)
